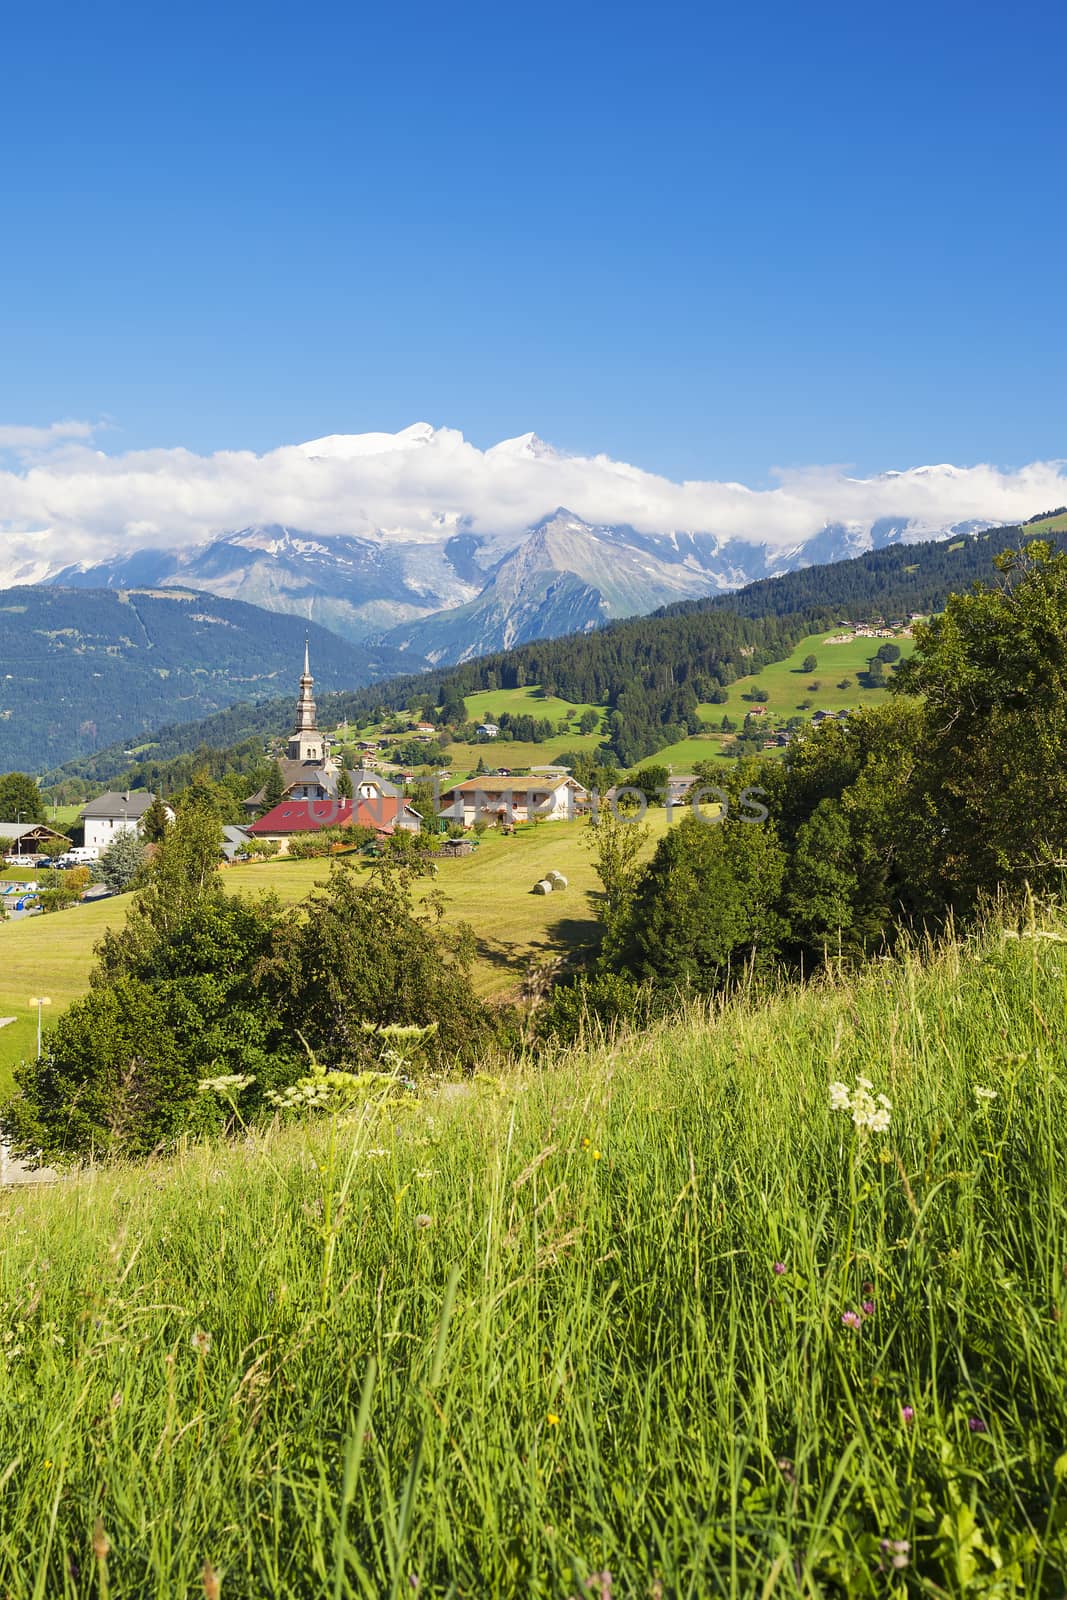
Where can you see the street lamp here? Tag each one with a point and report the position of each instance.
(40, 1001)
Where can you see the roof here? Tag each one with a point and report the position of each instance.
(296, 772)
(311, 816)
(130, 805)
(22, 830)
(490, 783)
(367, 775)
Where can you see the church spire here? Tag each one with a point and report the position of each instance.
(306, 742)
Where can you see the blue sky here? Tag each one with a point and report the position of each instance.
(709, 240)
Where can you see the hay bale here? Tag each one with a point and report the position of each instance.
(542, 887)
(556, 879)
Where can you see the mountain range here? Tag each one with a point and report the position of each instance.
(454, 591)
(81, 668)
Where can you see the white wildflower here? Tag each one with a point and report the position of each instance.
(981, 1093)
(840, 1097)
(229, 1083)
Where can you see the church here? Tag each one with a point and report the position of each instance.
(309, 771)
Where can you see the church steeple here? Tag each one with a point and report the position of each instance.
(306, 742)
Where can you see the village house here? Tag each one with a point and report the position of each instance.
(488, 730)
(114, 813)
(493, 799)
(385, 814)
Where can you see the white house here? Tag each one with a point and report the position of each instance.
(503, 799)
(488, 730)
(115, 813)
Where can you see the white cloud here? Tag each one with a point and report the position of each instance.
(66, 501)
(19, 437)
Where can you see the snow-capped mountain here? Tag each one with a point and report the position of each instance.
(446, 549)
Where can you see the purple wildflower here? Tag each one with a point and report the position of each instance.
(852, 1319)
(868, 1308)
(907, 1414)
(976, 1425)
(778, 1268)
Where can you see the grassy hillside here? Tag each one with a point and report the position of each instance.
(657, 1311)
(491, 890)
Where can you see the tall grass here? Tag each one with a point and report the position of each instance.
(579, 1323)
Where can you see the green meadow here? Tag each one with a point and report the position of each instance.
(490, 889)
(652, 1319)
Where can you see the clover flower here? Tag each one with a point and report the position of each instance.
(976, 1425)
(852, 1319)
(779, 1268)
(897, 1552)
(907, 1414)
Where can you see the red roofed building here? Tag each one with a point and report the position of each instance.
(384, 813)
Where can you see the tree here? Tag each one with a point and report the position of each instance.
(991, 776)
(20, 799)
(365, 954)
(809, 664)
(273, 790)
(122, 861)
(874, 677)
(155, 822)
(707, 903)
(344, 785)
(617, 845)
(759, 694)
(652, 782)
(845, 683)
(588, 722)
(888, 653)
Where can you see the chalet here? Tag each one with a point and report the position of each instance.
(488, 730)
(425, 727)
(18, 839)
(494, 798)
(386, 815)
(114, 813)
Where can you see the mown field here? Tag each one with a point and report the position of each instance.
(654, 1320)
(53, 955)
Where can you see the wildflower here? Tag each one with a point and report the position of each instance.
(48, 1463)
(852, 1319)
(229, 1083)
(200, 1341)
(840, 1098)
(870, 1112)
(981, 1093)
(779, 1268)
(586, 1143)
(976, 1425)
(596, 1155)
(867, 1308)
(898, 1551)
(907, 1415)
(553, 1420)
(423, 1220)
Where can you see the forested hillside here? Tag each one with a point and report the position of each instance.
(81, 670)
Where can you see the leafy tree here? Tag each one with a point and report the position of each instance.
(617, 846)
(652, 782)
(588, 722)
(991, 773)
(718, 696)
(122, 861)
(20, 799)
(845, 683)
(344, 784)
(874, 677)
(888, 653)
(366, 954)
(759, 694)
(705, 905)
(809, 664)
